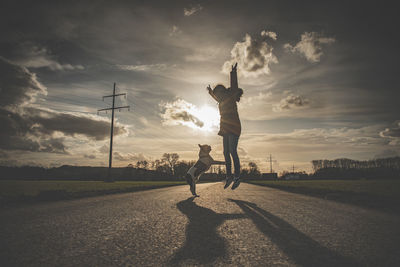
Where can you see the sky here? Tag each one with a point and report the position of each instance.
(320, 80)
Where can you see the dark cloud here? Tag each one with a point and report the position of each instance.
(17, 134)
(48, 122)
(28, 128)
(18, 86)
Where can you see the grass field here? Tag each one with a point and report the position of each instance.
(384, 188)
(18, 190)
(378, 194)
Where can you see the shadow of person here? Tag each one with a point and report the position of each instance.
(203, 244)
(303, 250)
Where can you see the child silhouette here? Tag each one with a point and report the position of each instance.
(230, 127)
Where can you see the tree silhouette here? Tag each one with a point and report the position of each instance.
(171, 159)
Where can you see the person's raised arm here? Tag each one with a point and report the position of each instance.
(234, 79)
(210, 91)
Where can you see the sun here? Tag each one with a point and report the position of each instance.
(209, 116)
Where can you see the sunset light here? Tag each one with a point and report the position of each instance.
(209, 116)
(199, 133)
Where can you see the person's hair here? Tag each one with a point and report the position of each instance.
(219, 90)
(239, 94)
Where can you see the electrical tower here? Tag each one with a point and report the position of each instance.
(112, 123)
(270, 162)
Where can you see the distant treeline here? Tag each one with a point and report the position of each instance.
(384, 168)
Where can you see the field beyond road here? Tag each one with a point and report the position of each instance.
(17, 190)
(380, 194)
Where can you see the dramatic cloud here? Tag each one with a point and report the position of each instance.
(48, 122)
(34, 56)
(190, 11)
(40, 130)
(254, 56)
(18, 86)
(310, 46)
(180, 112)
(393, 134)
(291, 102)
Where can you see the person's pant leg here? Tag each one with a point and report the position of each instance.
(227, 156)
(233, 143)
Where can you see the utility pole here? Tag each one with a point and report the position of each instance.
(112, 125)
(270, 162)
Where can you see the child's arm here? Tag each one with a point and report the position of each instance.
(210, 91)
(234, 80)
(217, 162)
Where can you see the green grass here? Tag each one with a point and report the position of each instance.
(10, 189)
(378, 188)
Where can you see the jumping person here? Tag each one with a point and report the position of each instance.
(230, 127)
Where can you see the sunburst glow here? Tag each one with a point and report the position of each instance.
(208, 115)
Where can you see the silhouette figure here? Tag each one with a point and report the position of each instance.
(230, 126)
(201, 166)
(203, 245)
(299, 247)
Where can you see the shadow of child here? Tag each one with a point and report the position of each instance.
(203, 244)
(296, 245)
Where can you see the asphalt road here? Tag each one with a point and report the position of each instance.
(251, 226)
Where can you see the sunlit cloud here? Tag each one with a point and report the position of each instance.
(253, 55)
(291, 102)
(181, 112)
(392, 134)
(310, 46)
(269, 34)
(130, 157)
(143, 67)
(190, 11)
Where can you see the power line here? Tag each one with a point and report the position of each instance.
(112, 121)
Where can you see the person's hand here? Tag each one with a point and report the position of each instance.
(234, 67)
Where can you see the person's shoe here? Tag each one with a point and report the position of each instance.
(228, 182)
(236, 183)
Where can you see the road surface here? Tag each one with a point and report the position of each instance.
(251, 226)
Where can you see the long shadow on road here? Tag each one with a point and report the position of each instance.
(203, 244)
(303, 250)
